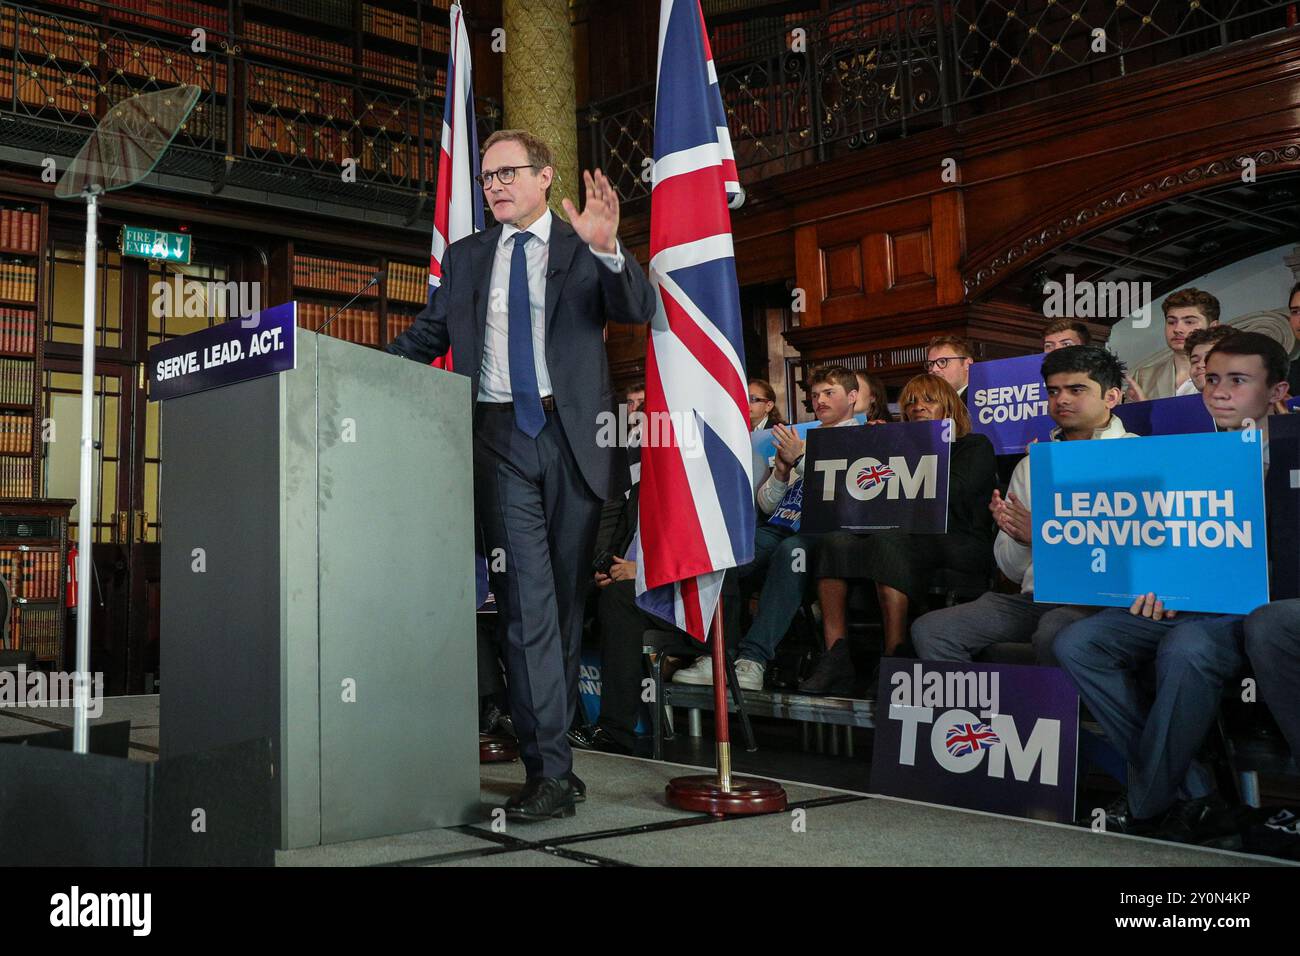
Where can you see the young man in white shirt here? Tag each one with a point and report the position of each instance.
(780, 551)
(1083, 386)
(1185, 311)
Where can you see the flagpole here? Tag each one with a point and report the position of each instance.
(721, 794)
(722, 718)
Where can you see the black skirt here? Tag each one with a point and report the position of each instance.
(900, 559)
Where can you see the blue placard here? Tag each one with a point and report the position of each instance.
(589, 693)
(233, 351)
(789, 509)
(996, 737)
(877, 478)
(1282, 492)
(1178, 515)
(1007, 401)
(1181, 415)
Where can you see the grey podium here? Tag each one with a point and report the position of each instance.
(318, 588)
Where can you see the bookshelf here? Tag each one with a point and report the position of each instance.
(288, 81)
(323, 281)
(23, 228)
(34, 561)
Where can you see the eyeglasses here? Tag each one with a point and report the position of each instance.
(942, 363)
(758, 398)
(505, 175)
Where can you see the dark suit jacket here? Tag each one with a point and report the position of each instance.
(582, 294)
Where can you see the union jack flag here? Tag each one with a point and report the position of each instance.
(458, 200)
(874, 475)
(963, 739)
(697, 503)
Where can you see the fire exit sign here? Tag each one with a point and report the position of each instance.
(154, 244)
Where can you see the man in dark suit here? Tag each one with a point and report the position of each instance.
(523, 308)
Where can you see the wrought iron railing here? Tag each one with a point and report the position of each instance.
(259, 121)
(873, 71)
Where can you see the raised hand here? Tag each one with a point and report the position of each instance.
(597, 224)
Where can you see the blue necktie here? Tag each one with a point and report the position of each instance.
(523, 373)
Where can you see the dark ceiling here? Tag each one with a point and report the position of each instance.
(1176, 242)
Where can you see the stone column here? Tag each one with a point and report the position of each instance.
(538, 85)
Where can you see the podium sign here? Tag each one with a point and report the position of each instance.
(233, 351)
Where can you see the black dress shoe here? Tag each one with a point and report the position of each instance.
(579, 788)
(1195, 821)
(495, 722)
(542, 798)
(1120, 819)
(581, 735)
(599, 739)
(833, 675)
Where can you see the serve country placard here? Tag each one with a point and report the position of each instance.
(1178, 515)
(1007, 401)
(233, 351)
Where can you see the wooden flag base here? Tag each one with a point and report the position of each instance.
(747, 795)
(494, 749)
(723, 794)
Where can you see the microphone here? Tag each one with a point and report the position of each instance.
(374, 280)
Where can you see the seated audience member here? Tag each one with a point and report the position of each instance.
(900, 563)
(873, 398)
(950, 357)
(1185, 311)
(833, 391)
(1273, 646)
(1169, 792)
(1197, 346)
(1064, 333)
(763, 412)
(1293, 309)
(1083, 387)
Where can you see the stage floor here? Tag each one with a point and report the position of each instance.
(626, 822)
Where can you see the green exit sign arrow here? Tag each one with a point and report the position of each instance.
(155, 244)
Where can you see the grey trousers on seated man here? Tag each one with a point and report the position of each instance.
(960, 633)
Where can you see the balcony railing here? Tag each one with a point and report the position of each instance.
(875, 71)
(353, 133)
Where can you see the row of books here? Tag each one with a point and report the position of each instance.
(20, 229)
(296, 47)
(15, 433)
(335, 12)
(352, 325)
(404, 29)
(17, 330)
(40, 630)
(296, 91)
(42, 87)
(15, 477)
(17, 282)
(331, 275)
(35, 575)
(712, 8)
(166, 67)
(398, 323)
(16, 381)
(40, 36)
(388, 68)
(408, 283)
(188, 14)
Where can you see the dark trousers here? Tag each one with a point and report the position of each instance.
(1194, 655)
(1273, 645)
(622, 626)
(539, 518)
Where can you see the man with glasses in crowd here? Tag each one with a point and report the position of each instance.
(949, 357)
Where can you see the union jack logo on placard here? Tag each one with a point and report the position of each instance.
(874, 475)
(963, 739)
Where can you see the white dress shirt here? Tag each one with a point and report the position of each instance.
(494, 378)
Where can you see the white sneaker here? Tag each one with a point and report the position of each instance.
(749, 674)
(701, 672)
